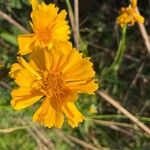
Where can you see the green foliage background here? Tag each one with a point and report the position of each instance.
(100, 37)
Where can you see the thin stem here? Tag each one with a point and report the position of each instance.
(72, 19)
(12, 21)
(120, 52)
(108, 117)
(108, 123)
(76, 11)
(124, 111)
(113, 69)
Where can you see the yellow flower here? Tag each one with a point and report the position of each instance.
(55, 77)
(129, 15)
(47, 24)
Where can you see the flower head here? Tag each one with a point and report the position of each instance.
(129, 15)
(55, 77)
(47, 25)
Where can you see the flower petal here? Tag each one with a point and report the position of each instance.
(48, 116)
(83, 87)
(25, 42)
(28, 67)
(24, 97)
(72, 114)
(34, 4)
(41, 59)
(21, 75)
(80, 71)
(66, 96)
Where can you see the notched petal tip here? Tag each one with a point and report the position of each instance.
(74, 117)
(48, 116)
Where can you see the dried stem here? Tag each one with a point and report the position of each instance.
(12, 21)
(145, 36)
(72, 20)
(124, 111)
(39, 134)
(108, 123)
(5, 85)
(80, 142)
(76, 11)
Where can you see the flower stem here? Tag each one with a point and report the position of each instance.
(113, 69)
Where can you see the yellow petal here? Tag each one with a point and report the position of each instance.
(25, 42)
(24, 97)
(14, 70)
(28, 67)
(80, 71)
(49, 27)
(21, 75)
(61, 27)
(134, 3)
(138, 18)
(74, 58)
(48, 116)
(41, 59)
(83, 87)
(66, 96)
(74, 117)
(34, 4)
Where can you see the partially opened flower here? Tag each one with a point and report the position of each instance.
(47, 24)
(129, 15)
(53, 77)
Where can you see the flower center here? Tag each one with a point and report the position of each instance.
(52, 84)
(44, 35)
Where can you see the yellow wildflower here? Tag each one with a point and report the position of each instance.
(55, 77)
(129, 15)
(47, 24)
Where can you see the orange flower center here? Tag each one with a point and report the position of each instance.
(44, 34)
(52, 84)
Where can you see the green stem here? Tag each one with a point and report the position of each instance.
(121, 49)
(108, 117)
(113, 69)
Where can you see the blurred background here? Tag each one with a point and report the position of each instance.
(105, 128)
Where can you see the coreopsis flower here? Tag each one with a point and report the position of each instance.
(47, 25)
(129, 15)
(55, 78)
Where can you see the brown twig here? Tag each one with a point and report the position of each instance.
(62, 136)
(39, 134)
(144, 34)
(124, 111)
(104, 122)
(133, 83)
(120, 130)
(76, 11)
(12, 21)
(116, 126)
(5, 85)
(40, 145)
(12, 129)
(43, 138)
(72, 20)
(82, 143)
